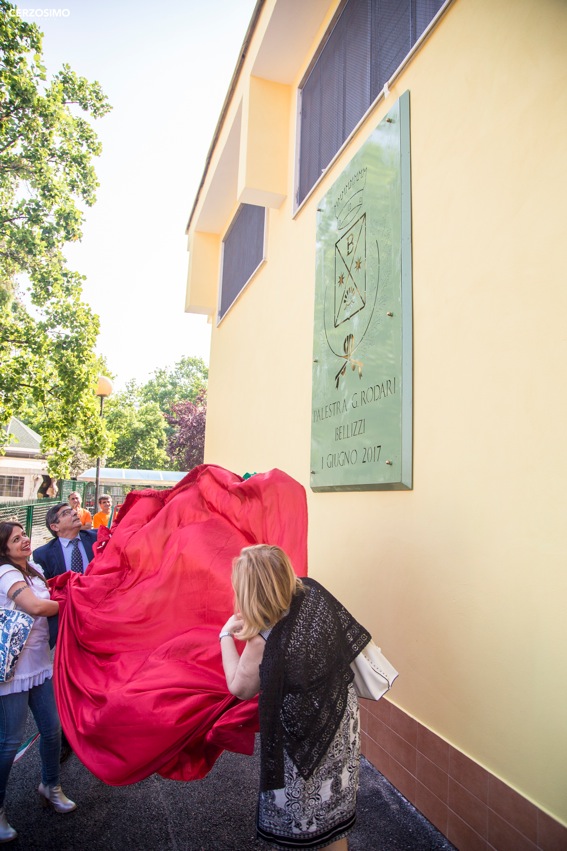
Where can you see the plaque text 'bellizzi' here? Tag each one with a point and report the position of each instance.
(361, 425)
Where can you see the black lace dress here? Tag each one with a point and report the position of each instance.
(309, 724)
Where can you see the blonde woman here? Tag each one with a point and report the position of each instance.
(299, 643)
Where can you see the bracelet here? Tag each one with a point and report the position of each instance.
(224, 635)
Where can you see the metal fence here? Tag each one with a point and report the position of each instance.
(32, 514)
(32, 517)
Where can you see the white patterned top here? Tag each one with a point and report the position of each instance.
(34, 665)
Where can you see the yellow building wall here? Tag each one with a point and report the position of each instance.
(262, 170)
(204, 254)
(462, 580)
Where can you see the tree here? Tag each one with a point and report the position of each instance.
(138, 434)
(182, 383)
(165, 413)
(79, 461)
(47, 333)
(186, 444)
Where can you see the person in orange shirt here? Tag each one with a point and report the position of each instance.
(74, 501)
(104, 516)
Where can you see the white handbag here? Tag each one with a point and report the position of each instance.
(373, 674)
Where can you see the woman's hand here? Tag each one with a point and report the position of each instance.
(242, 672)
(233, 625)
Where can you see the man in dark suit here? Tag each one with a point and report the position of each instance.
(70, 549)
(57, 556)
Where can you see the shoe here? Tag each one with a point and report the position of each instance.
(7, 832)
(55, 796)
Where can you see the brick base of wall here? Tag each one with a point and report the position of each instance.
(473, 809)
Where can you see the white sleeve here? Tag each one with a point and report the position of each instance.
(9, 575)
(36, 566)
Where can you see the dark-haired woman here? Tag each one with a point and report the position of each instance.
(22, 586)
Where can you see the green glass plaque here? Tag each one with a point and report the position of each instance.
(361, 423)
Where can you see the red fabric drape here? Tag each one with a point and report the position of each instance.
(138, 672)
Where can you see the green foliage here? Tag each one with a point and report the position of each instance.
(47, 333)
(80, 460)
(149, 424)
(138, 434)
(183, 383)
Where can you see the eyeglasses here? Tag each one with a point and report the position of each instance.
(64, 513)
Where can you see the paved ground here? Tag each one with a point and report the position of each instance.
(213, 814)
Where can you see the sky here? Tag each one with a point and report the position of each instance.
(166, 69)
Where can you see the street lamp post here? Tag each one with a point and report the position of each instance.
(103, 390)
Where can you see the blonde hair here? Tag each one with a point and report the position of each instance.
(264, 584)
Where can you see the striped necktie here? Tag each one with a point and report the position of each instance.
(76, 557)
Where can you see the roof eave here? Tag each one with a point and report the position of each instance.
(233, 83)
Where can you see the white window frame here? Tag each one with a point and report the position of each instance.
(6, 486)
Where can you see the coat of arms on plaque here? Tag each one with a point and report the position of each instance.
(351, 298)
(350, 272)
